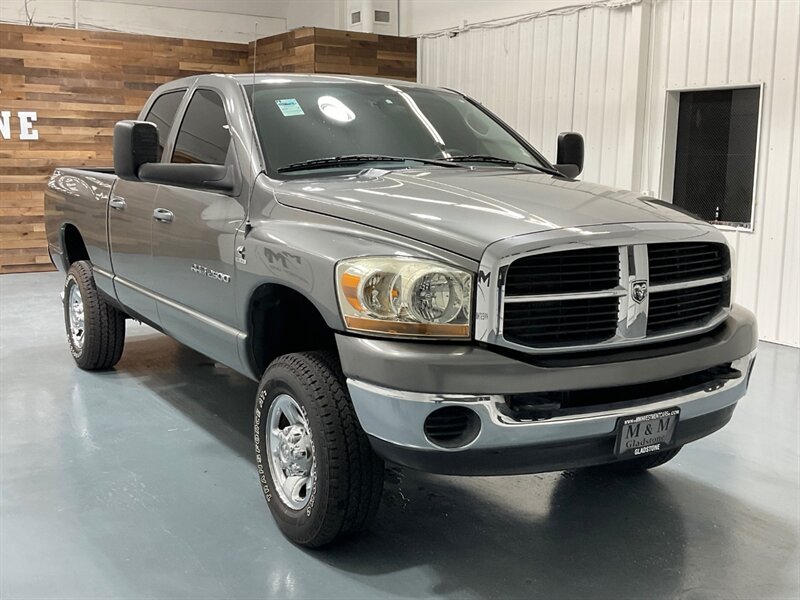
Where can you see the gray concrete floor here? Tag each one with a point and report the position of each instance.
(139, 483)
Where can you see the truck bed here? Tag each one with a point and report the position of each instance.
(79, 195)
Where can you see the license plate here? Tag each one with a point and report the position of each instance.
(645, 434)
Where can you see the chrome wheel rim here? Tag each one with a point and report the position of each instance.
(291, 452)
(76, 321)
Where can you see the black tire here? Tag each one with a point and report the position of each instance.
(103, 332)
(641, 464)
(347, 489)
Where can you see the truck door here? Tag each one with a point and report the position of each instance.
(194, 239)
(130, 221)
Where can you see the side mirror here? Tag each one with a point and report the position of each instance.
(570, 154)
(135, 144)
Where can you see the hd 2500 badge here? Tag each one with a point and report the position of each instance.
(210, 273)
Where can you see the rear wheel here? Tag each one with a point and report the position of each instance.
(642, 463)
(95, 329)
(318, 472)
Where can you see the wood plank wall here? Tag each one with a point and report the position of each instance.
(290, 52)
(316, 50)
(82, 82)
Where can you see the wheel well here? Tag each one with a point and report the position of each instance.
(282, 321)
(74, 248)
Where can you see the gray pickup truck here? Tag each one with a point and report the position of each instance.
(409, 280)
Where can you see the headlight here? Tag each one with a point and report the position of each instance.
(404, 296)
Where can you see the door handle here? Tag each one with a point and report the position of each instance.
(117, 203)
(163, 215)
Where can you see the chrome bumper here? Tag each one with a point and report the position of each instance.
(397, 417)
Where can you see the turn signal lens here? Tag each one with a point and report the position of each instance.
(404, 296)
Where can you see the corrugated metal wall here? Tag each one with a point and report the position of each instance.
(700, 43)
(606, 72)
(552, 74)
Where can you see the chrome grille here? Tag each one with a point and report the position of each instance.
(606, 294)
(564, 272)
(686, 308)
(561, 321)
(671, 263)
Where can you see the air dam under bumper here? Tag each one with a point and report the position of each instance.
(395, 422)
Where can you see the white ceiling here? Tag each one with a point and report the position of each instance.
(222, 20)
(261, 8)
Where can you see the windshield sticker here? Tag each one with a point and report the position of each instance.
(289, 107)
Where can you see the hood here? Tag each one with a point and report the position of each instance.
(464, 211)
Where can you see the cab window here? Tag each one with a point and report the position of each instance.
(204, 136)
(162, 114)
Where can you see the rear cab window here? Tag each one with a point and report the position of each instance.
(162, 114)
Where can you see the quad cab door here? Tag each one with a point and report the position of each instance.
(130, 220)
(193, 233)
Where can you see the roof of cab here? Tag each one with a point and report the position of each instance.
(248, 78)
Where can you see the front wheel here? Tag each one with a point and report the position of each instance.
(95, 329)
(318, 472)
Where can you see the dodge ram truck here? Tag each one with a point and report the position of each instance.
(409, 280)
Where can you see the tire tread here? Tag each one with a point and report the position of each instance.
(104, 338)
(355, 472)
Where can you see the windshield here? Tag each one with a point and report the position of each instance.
(299, 122)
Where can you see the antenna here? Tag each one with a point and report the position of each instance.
(255, 50)
(253, 133)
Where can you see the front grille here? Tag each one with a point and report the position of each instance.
(606, 295)
(676, 262)
(686, 308)
(561, 322)
(564, 272)
(568, 321)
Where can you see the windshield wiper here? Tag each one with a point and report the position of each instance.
(356, 159)
(501, 161)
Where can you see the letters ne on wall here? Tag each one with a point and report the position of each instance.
(25, 131)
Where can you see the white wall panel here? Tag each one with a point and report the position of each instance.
(707, 43)
(424, 16)
(552, 74)
(606, 73)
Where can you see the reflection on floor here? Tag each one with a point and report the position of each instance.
(139, 482)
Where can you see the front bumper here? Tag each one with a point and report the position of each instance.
(536, 457)
(395, 421)
(394, 417)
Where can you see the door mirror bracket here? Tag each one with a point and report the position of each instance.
(217, 178)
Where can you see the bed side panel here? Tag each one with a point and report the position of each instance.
(79, 198)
